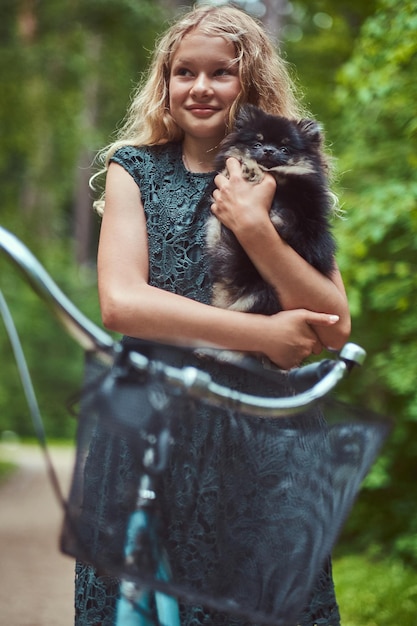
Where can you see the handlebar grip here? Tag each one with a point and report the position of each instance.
(305, 377)
(352, 355)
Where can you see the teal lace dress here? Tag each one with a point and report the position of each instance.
(223, 468)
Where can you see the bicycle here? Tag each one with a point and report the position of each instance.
(120, 378)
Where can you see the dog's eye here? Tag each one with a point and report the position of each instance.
(284, 150)
(257, 144)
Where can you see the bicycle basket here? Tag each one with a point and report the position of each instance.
(247, 509)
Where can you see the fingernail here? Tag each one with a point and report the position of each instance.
(334, 318)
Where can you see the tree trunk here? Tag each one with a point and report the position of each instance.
(83, 210)
(274, 17)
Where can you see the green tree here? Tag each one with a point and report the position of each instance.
(377, 149)
(67, 69)
(317, 39)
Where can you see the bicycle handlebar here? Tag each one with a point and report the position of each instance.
(320, 377)
(199, 385)
(83, 330)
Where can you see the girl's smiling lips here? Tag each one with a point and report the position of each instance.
(202, 109)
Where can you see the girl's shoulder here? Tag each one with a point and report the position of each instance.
(144, 157)
(155, 169)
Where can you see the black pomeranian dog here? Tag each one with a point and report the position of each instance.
(292, 151)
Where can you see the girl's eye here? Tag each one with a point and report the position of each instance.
(229, 70)
(182, 71)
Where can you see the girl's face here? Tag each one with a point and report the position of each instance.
(203, 84)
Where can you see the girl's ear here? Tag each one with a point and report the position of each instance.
(312, 130)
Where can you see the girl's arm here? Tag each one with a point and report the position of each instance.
(244, 208)
(130, 306)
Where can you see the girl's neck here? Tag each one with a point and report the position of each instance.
(198, 159)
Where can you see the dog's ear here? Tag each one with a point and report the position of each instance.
(246, 115)
(312, 130)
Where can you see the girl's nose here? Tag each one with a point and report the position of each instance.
(201, 85)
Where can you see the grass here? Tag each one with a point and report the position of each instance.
(9, 445)
(6, 469)
(375, 592)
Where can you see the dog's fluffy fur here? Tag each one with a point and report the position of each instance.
(292, 152)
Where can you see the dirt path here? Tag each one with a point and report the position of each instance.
(37, 581)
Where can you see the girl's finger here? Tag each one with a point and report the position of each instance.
(233, 166)
(321, 319)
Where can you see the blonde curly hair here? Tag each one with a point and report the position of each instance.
(264, 77)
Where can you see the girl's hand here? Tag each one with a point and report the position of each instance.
(239, 204)
(291, 337)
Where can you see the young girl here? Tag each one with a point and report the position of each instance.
(154, 284)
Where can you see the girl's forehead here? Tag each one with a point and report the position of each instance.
(197, 42)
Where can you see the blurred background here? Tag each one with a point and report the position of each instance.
(67, 71)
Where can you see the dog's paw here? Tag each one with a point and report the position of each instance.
(251, 171)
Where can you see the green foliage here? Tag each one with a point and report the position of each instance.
(376, 142)
(6, 469)
(55, 362)
(67, 72)
(358, 71)
(317, 39)
(375, 592)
